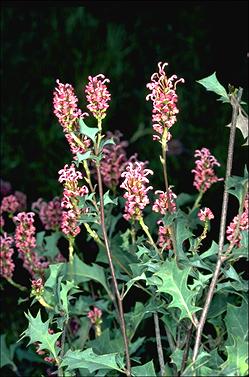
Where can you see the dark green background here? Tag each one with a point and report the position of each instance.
(43, 41)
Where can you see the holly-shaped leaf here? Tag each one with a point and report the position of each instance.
(37, 331)
(89, 360)
(236, 320)
(65, 289)
(212, 84)
(87, 131)
(174, 282)
(144, 370)
(237, 358)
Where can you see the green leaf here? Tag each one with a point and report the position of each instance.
(236, 320)
(174, 282)
(85, 272)
(182, 233)
(89, 360)
(144, 370)
(83, 156)
(185, 198)
(65, 289)
(213, 85)
(192, 369)
(242, 125)
(87, 131)
(176, 358)
(237, 186)
(37, 331)
(105, 142)
(7, 353)
(51, 244)
(237, 356)
(55, 271)
(108, 200)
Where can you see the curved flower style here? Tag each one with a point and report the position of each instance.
(25, 242)
(166, 202)
(114, 160)
(71, 213)
(243, 225)
(6, 251)
(50, 213)
(164, 99)
(205, 214)
(135, 185)
(97, 96)
(204, 172)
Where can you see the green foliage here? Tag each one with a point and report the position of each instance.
(87, 131)
(89, 360)
(145, 370)
(7, 353)
(37, 331)
(174, 283)
(213, 85)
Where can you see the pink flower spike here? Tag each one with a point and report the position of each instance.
(205, 214)
(95, 315)
(10, 204)
(6, 251)
(65, 106)
(204, 172)
(243, 225)
(166, 202)
(97, 96)
(136, 191)
(164, 99)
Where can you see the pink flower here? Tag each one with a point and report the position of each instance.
(114, 160)
(166, 202)
(136, 191)
(10, 204)
(243, 225)
(95, 315)
(50, 213)
(205, 214)
(37, 287)
(71, 213)
(204, 172)
(75, 147)
(65, 106)
(26, 242)
(97, 96)
(164, 99)
(164, 240)
(6, 251)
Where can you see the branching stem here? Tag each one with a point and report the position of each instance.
(221, 257)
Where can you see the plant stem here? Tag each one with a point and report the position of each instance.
(21, 287)
(221, 257)
(71, 257)
(186, 349)
(109, 256)
(147, 232)
(159, 344)
(196, 203)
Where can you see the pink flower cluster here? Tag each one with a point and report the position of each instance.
(71, 213)
(50, 213)
(10, 204)
(166, 202)
(114, 160)
(136, 191)
(25, 242)
(204, 172)
(205, 214)
(164, 240)
(95, 315)
(97, 96)
(6, 251)
(37, 287)
(164, 99)
(66, 109)
(243, 225)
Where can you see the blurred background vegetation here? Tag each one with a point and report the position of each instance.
(43, 41)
